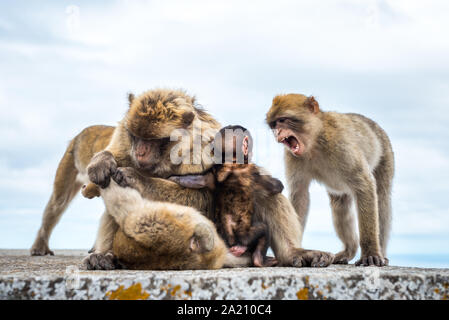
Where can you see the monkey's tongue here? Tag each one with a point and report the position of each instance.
(292, 143)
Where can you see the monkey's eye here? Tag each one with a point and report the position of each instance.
(282, 120)
(272, 124)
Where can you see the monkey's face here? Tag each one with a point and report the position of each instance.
(150, 121)
(147, 153)
(292, 118)
(232, 146)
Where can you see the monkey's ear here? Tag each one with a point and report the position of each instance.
(312, 104)
(245, 144)
(202, 239)
(187, 118)
(270, 184)
(130, 98)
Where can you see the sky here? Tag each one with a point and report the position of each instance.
(66, 65)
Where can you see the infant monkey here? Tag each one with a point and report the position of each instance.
(236, 181)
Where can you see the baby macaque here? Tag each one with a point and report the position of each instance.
(236, 181)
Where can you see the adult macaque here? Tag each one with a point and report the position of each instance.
(352, 156)
(142, 141)
(165, 236)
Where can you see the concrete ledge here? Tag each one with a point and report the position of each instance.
(61, 277)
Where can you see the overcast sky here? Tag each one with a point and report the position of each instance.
(65, 65)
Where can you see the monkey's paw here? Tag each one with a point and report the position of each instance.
(125, 177)
(100, 261)
(374, 260)
(343, 257)
(40, 248)
(101, 168)
(312, 258)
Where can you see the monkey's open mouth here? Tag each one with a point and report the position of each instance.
(295, 146)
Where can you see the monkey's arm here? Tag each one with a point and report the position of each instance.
(117, 154)
(195, 181)
(158, 189)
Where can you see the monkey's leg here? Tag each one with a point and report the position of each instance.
(228, 227)
(119, 203)
(251, 236)
(300, 199)
(344, 224)
(366, 199)
(384, 177)
(259, 256)
(286, 234)
(65, 188)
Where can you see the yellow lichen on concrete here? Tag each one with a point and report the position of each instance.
(134, 292)
(303, 294)
(177, 292)
(174, 290)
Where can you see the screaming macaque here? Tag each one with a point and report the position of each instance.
(166, 236)
(352, 156)
(236, 181)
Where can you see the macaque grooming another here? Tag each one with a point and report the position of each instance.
(140, 149)
(352, 156)
(236, 181)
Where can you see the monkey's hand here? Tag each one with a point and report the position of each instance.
(372, 260)
(195, 181)
(126, 177)
(311, 258)
(101, 168)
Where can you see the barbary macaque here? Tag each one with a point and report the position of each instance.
(352, 156)
(167, 236)
(141, 145)
(236, 181)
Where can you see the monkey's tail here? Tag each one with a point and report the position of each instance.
(232, 261)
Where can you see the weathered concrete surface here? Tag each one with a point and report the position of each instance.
(61, 277)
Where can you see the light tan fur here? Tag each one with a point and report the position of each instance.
(108, 149)
(168, 236)
(352, 156)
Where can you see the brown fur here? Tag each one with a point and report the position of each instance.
(157, 235)
(235, 195)
(276, 211)
(352, 156)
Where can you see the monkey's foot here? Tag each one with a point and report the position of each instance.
(311, 258)
(100, 261)
(371, 261)
(270, 261)
(125, 177)
(40, 248)
(343, 257)
(238, 250)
